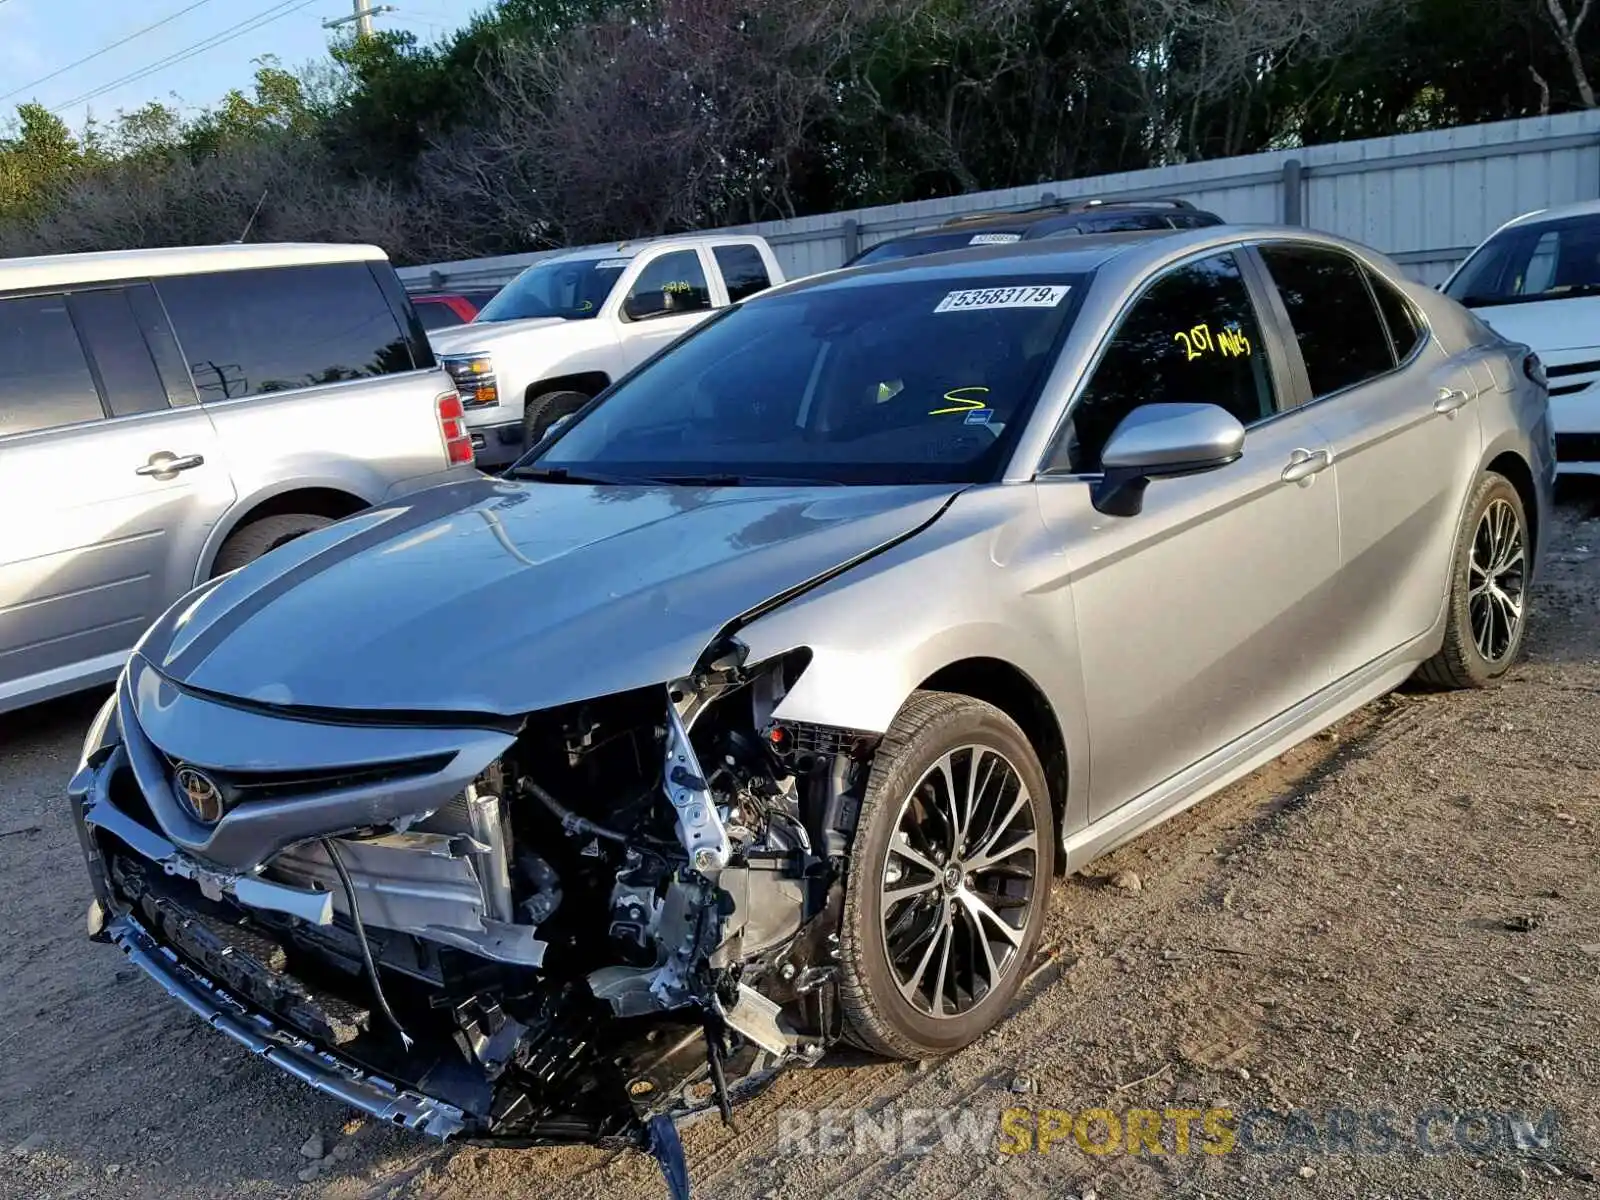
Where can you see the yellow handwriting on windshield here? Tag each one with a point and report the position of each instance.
(1230, 341)
(959, 403)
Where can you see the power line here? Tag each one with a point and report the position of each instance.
(266, 17)
(104, 49)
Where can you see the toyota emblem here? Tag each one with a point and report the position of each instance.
(200, 796)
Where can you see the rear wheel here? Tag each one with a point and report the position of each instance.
(948, 881)
(544, 410)
(257, 538)
(1488, 591)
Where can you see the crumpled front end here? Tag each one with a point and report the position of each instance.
(543, 929)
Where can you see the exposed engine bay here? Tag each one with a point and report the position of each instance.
(631, 914)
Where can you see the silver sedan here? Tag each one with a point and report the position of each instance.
(755, 707)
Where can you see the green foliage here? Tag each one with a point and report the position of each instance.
(546, 119)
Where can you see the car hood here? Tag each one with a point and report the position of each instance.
(497, 596)
(476, 337)
(1548, 326)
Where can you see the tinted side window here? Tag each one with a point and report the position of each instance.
(1405, 329)
(1341, 336)
(673, 283)
(742, 270)
(44, 377)
(249, 332)
(1192, 338)
(111, 336)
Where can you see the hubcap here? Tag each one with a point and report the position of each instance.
(958, 880)
(1495, 580)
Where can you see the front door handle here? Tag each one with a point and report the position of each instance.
(1450, 399)
(165, 465)
(1303, 464)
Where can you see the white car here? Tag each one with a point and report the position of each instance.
(1536, 280)
(561, 332)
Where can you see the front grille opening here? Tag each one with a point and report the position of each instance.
(244, 786)
(1578, 447)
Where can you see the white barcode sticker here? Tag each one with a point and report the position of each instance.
(611, 264)
(1045, 296)
(994, 239)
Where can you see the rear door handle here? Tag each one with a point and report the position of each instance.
(1303, 464)
(1450, 399)
(166, 465)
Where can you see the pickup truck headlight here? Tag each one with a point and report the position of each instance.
(474, 379)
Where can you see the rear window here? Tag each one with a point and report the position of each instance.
(882, 381)
(246, 333)
(933, 243)
(1550, 260)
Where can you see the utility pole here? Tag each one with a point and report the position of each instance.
(365, 10)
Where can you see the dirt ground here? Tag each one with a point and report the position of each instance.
(1400, 916)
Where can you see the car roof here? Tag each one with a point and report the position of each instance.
(1127, 256)
(1584, 208)
(57, 270)
(631, 249)
(1064, 256)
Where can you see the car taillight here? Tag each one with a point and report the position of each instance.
(453, 428)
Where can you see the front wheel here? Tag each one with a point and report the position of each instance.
(1488, 614)
(948, 879)
(544, 410)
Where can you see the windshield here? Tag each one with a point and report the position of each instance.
(883, 379)
(569, 288)
(913, 247)
(1549, 260)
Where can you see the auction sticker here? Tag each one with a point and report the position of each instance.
(994, 239)
(1047, 296)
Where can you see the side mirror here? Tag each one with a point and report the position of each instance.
(1158, 441)
(643, 305)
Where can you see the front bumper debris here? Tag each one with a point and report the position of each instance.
(326, 1072)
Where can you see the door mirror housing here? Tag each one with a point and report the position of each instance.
(1159, 441)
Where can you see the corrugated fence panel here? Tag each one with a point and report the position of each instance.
(1426, 198)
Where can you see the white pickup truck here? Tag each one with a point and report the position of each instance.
(567, 327)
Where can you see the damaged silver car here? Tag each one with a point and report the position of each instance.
(754, 708)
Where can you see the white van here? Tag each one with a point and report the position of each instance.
(1536, 280)
(169, 415)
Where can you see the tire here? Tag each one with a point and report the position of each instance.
(880, 1015)
(249, 543)
(544, 410)
(1474, 656)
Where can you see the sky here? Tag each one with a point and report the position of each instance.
(41, 37)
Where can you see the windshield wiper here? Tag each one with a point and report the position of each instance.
(564, 475)
(730, 479)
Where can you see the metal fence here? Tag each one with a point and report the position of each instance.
(1424, 198)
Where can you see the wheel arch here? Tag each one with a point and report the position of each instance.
(323, 501)
(590, 383)
(1006, 686)
(1519, 474)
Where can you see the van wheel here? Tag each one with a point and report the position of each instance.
(544, 410)
(255, 539)
(948, 881)
(1488, 614)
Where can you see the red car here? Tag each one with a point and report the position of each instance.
(440, 310)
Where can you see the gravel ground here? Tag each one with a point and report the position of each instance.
(1403, 914)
